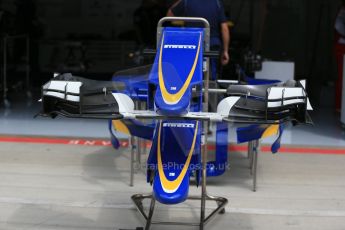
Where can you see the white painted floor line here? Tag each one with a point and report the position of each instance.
(282, 212)
(231, 210)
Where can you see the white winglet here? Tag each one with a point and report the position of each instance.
(226, 104)
(126, 104)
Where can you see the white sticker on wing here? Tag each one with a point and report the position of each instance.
(68, 86)
(65, 87)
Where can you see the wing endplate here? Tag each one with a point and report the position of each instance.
(79, 97)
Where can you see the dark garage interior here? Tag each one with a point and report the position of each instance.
(97, 38)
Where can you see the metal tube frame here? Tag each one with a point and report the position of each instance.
(138, 147)
(250, 155)
(220, 201)
(253, 154)
(133, 147)
(138, 143)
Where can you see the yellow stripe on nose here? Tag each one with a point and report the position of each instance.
(172, 99)
(167, 185)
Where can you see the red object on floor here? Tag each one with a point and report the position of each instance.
(61, 141)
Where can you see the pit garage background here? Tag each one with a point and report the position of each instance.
(64, 174)
(102, 34)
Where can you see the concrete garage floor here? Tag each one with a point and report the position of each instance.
(64, 187)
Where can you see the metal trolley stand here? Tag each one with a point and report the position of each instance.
(220, 201)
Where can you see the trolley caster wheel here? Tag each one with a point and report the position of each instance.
(222, 211)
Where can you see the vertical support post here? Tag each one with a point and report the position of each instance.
(248, 151)
(138, 155)
(144, 142)
(206, 124)
(138, 142)
(255, 162)
(251, 156)
(204, 178)
(132, 144)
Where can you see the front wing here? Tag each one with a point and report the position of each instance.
(77, 97)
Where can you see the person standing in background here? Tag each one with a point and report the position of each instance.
(213, 12)
(339, 48)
